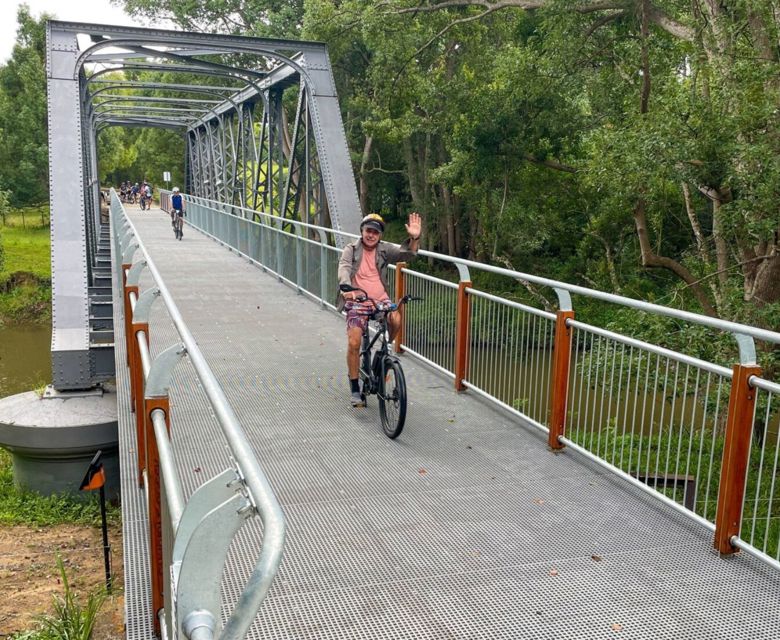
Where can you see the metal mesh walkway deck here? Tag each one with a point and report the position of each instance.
(467, 526)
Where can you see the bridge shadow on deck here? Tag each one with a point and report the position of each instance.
(467, 526)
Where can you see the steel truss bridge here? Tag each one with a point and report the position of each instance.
(555, 479)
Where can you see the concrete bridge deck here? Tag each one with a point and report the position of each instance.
(467, 526)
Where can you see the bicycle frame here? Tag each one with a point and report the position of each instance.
(367, 345)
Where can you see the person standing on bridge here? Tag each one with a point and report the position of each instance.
(364, 264)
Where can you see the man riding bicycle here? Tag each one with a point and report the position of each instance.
(177, 210)
(363, 264)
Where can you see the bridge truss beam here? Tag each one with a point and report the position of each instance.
(264, 132)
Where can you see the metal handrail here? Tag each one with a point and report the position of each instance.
(696, 318)
(260, 492)
(557, 414)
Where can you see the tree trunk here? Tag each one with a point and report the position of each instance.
(363, 174)
(651, 260)
(447, 206)
(701, 245)
(766, 287)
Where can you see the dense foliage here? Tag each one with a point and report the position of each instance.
(24, 169)
(632, 146)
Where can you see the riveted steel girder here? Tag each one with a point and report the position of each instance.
(242, 146)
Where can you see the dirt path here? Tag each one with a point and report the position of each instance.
(29, 575)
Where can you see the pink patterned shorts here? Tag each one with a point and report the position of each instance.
(357, 314)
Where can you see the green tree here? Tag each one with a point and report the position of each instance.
(272, 18)
(24, 165)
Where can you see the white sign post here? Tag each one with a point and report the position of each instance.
(167, 178)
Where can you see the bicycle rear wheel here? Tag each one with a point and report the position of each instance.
(392, 398)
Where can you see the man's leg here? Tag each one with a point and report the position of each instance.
(393, 324)
(354, 337)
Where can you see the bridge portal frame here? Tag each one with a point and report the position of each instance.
(300, 169)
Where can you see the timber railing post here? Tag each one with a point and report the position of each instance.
(400, 292)
(462, 335)
(154, 492)
(736, 451)
(559, 386)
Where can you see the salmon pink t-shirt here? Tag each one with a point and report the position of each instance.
(367, 276)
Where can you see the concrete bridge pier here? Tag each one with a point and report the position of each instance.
(53, 436)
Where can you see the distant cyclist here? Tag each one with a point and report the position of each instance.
(177, 211)
(364, 264)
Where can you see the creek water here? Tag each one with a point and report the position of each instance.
(25, 358)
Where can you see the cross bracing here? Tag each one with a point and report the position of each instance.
(246, 144)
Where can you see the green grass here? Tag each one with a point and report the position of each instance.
(71, 620)
(25, 237)
(25, 278)
(28, 508)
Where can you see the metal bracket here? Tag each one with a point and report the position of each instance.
(134, 273)
(199, 625)
(200, 574)
(564, 300)
(747, 348)
(125, 235)
(143, 305)
(205, 498)
(128, 251)
(159, 379)
(463, 272)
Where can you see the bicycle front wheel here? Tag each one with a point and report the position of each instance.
(392, 398)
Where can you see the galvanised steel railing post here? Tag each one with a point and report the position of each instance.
(127, 291)
(261, 238)
(736, 452)
(127, 247)
(400, 292)
(139, 329)
(298, 258)
(323, 267)
(140, 332)
(462, 334)
(157, 399)
(559, 385)
(279, 258)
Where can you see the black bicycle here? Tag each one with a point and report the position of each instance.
(177, 221)
(380, 371)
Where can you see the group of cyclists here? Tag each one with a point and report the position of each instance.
(130, 193)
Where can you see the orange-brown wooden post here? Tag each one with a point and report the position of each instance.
(559, 385)
(155, 505)
(400, 292)
(736, 448)
(137, 402)
(462, 335)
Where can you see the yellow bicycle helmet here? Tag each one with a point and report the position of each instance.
(373, 221)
